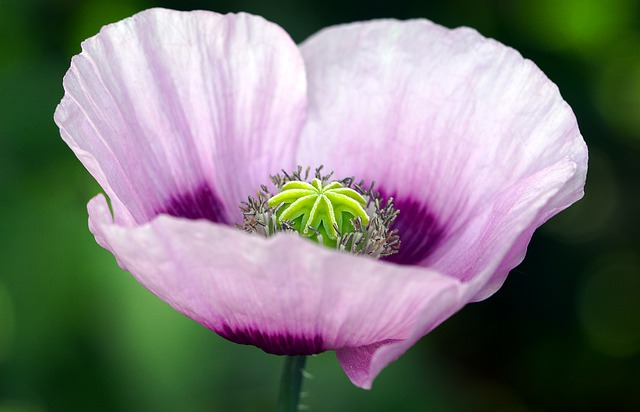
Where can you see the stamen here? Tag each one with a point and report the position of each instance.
(336, 213)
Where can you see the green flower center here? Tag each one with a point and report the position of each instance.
(315, 209)
(339, 214)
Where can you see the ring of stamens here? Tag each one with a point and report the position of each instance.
(337, 213)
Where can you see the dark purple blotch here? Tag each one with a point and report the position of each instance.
(200, 203)
(274, 343)
(419, 230)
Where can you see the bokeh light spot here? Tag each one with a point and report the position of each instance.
(7, 323)
(577, 25)
(93, 14)
(617, 90)
(20, 406)
(608, 305)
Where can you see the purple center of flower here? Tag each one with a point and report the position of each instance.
(200, 203)
(418, 228)
(274, 343)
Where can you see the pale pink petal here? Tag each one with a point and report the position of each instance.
(362, 364)
(184, 113)
(474, 143)
(456, 127)
(285, 294)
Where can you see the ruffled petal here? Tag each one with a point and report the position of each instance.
(473, 141)
(184, 113)
(362, 364)
(285, 294)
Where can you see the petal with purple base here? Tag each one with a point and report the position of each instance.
(286, 295)
(166, 105)
(453, 125)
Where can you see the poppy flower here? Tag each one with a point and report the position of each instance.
(180, 116)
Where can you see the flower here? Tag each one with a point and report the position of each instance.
(182, 115)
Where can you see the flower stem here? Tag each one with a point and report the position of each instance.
(291, 383)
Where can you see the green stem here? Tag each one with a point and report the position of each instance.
(291, 383)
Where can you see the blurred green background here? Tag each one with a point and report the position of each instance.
(563, 334)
